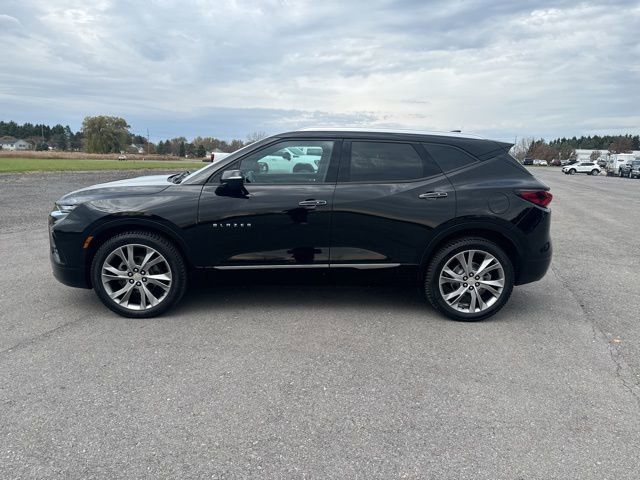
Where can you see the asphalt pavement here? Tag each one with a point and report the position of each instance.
(326, 379)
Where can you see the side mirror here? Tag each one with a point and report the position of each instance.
(232, 178)
(232, 184)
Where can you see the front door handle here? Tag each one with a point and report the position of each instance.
(312, 203)
(432, 195)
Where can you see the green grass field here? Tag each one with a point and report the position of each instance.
(19, 165)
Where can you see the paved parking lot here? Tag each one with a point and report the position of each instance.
(317, 380)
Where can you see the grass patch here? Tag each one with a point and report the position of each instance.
(20, 165)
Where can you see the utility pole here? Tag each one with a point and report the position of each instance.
(147, 142)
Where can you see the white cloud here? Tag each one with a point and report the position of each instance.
(500, 68)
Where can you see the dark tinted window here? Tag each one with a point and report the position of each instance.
(448, 157)
(381, 162)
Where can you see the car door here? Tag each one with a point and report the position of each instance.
(389, 198)
(281, 219)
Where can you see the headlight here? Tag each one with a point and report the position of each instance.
(63, 208)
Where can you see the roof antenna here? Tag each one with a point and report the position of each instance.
(456, 131)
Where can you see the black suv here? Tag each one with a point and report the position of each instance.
(457, 208)
(630, 169)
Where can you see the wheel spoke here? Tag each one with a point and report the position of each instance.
(463, 262)
(113, 273)
(472, 302)
(488, 260)
(127, 296)
(123, 290)
(455, 296)
(147, 257)
(150, 296)
(153, 262)
(491, 290)
(450, 274)
(153, 281)
(481, 302)
(143, 298)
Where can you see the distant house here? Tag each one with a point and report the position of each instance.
(10, 143)
(140, 148)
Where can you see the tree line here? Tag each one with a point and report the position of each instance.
(564, 148)
(105, 134)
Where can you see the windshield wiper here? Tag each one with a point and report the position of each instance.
(178, 177)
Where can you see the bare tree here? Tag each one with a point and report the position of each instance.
(255, 136)
(622, 144)
(521, 148)
(595, 155)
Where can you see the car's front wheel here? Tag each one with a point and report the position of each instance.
(595, 172)
(138, 274)
(572, 171)
(469, 279)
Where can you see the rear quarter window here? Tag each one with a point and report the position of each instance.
(448, 157)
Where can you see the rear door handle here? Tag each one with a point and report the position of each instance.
(432, 195)
(312, 203)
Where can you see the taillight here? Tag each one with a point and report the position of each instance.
(541, 198)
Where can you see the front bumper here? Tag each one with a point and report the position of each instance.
(73, 277)
(66, 269)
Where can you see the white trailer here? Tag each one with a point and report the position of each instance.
(616, 160)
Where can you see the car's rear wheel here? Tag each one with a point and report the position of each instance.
(469, 279)
(138, 274)
(303, 168)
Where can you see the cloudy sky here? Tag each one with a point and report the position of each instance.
(228, 68)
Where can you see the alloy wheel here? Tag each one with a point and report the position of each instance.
(471, 281)
(136, 277)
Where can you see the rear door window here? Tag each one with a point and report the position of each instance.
(387, 162)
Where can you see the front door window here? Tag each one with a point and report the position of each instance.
(290, 162)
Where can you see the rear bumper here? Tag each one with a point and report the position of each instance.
(533, 269)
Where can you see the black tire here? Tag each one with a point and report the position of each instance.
(163, 246)
(303, 168)
(572, 171)
(594, 172)
(443, 255)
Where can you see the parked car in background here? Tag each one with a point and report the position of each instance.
(540, 163)
(589, 168)
(457, 209)
(630, 169)
(616, 161)
(602, 162)
(556, 162)
(528, 161)
(214, 157)
(292, 160)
